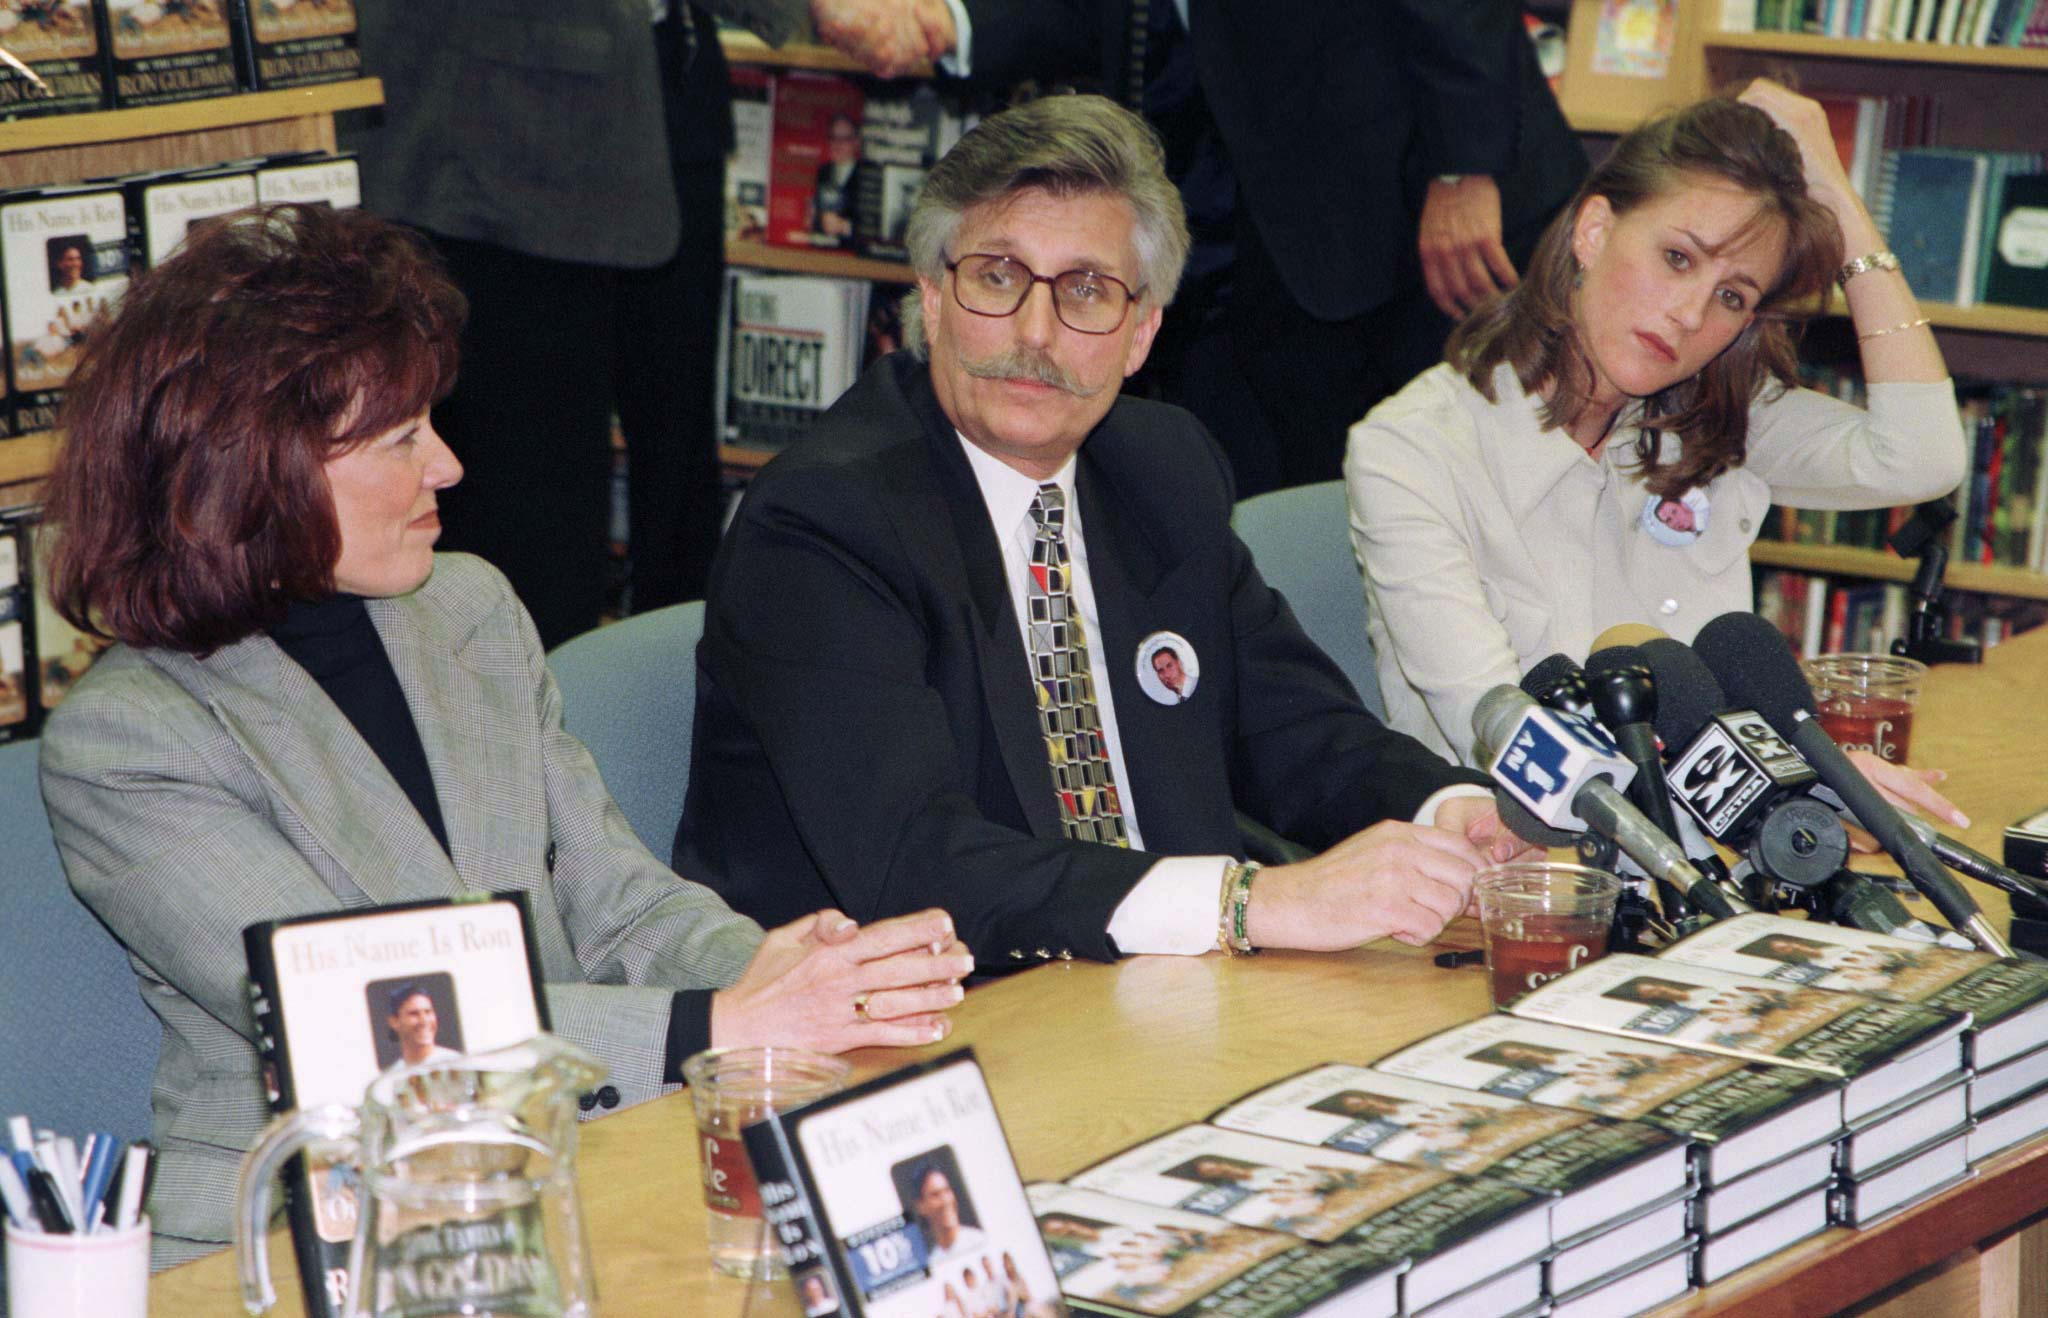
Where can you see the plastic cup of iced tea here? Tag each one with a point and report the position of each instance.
(1540, 920)
(1867, 701)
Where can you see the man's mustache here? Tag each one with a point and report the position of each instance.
(1024, 364)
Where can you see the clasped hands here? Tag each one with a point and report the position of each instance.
(825, 983)
(890, 38)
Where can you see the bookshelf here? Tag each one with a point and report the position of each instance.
(801, 261)
(1878, 565)
(64, 148)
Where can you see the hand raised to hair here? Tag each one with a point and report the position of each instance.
(1803, 118)
(802, 985)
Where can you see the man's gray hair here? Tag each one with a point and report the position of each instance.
(1068, 146)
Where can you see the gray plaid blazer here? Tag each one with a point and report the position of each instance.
(191, 797)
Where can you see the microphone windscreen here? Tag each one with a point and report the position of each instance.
(1687, 694)
(1626, 633)
(1548, 673)
(1755, 667)
(1495, 717)
(1610, 657)
(1527, 826)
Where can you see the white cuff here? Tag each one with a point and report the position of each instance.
(1426, 816)
(956, 61)
(1173, 909)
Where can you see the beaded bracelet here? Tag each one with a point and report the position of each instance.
(1893, 329)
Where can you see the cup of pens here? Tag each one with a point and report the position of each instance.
(77, 1240)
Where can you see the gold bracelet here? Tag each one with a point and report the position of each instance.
(1893, 329)
(1233, 936)
(1864, 264)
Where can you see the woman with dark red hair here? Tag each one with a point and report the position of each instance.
(308, 709)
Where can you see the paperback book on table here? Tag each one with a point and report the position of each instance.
(1740, 1115)
(1595, 1171)
(2007, 998)
(325, 991)
(844, 1181)
(1121, 1257)
(1881, 1051)
(1450, 1230)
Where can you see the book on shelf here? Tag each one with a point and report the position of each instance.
(1450, 1230)
(1879, 1050)
(1133, 1260)
(2016, 255)
(17, 611)
(327, 992)
(56, 60)
(746, 165)
(314, 178)
(163, 207)
(2005, 997)
(63, 264)
(789, 346)
(1594, 1170)
(1940, 22)
(296, 44)
(902, 135)
(846, 1181)
(814, 155)
(1740, 1115)
(158, 54)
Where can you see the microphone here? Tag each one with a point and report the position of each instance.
(1625, 701)
(1754, 665)
(1750, 789)
(1565, 770)
(1558, 683)
(1958, 856)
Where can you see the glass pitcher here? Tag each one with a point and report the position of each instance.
(467, 1178)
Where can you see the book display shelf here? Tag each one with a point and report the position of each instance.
(75, 147)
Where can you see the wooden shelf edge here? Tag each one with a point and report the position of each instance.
(2024, 58)
(62, 130)
(1848, 561)
(746, 48)
(27, 457)
(802, 261)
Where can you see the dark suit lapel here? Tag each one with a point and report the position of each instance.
(1169, 751)
(956, 522)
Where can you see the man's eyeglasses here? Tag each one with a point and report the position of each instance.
(1085, 301)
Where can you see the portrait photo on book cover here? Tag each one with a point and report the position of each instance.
(815, 1292)
(1154, 1269)
(414, 1019)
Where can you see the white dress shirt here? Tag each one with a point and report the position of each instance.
(1173, 909)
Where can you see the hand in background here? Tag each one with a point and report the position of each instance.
(890, 38)
(1909, 790)
(1803, 118)
(801, 986)
(1459, 239)
(1479, 821)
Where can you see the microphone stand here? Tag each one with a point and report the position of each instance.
(1926, 637)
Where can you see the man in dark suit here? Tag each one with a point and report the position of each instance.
(921, 683)
(1395, 163)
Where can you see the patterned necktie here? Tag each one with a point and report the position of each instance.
(1081, 778)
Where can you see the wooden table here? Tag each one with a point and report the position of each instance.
(1085, 1059)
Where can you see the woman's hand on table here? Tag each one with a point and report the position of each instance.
(1909, 790)
(825, 983)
